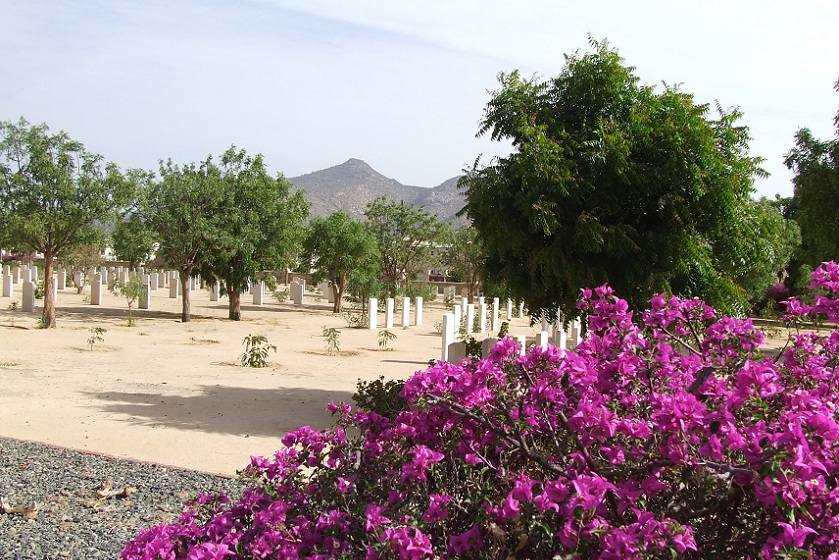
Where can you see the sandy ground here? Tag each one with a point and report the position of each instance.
(174, 393)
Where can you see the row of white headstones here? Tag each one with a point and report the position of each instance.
(465, 320)
(461, 324)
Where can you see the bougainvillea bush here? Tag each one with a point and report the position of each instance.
(669, 434)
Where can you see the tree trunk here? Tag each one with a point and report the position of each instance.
(49, 300)
(184, 274)
(234, 307)
(338, 286)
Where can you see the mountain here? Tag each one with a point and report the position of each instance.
(351, 185)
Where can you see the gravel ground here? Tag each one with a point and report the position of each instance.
(81, 508)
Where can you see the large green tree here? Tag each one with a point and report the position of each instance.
(259, 225)
(53, 195)
(613, 181)
(336, 249)
(406, 236)
(181, 209)
(815, 204)
(131, 239)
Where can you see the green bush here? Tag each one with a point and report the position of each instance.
(380, 396)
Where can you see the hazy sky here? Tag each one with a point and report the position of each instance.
(401, 85)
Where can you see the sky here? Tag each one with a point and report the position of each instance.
(400, 85)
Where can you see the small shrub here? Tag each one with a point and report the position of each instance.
(43, 323)
(131, 291)
(331, 335)
(473, 347)
(96, 336)
(256, 351)
(385, 337)
(280, 295)
(380, 396)
(14, 306)
(39, 290)
(356, 318)
(504, 331)
(438, 327)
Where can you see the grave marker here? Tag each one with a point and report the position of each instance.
(28, 303)
(406, 312)
(96, 290)
(418, 311)
(448, 334)
(372, 313)
(389, 313)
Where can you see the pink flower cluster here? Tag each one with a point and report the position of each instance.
(672, 435)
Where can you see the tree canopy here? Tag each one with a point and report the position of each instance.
(258, 225)
(610, 180)
(406, 236)
(815, 204)
(53, 195)
(337, 248)
(464, 258)
(181, 210)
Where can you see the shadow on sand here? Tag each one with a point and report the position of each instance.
(226, 410)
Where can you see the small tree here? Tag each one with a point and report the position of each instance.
(132, 290)
(464, 258)
(82, 259)
(339, 249)
(406, 236)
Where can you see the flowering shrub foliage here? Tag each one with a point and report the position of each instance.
(669, 435)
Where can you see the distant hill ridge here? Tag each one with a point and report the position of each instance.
(351, 185)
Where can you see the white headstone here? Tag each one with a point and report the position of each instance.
(174, 286)
(470, 318)
(62, 279)
(482, 317)
(154, 281)
(372, 313)
(457, 352)
(96, 290)
(418, 311)
(16, 275)
(562, 343)
(521, 309)
(54, 287)
(496, 302)
(145, 296)
(389, 313)
(458, 315)
(481, 300)
(543, 340)
(26, 275)
(509, 310)
(258, 292)
(486, 346)
(406, 312)
(8, 283)
(450, 324)
(297, 289)
(28, 304)
(214, 291)
(103, 274)
(522, 340)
